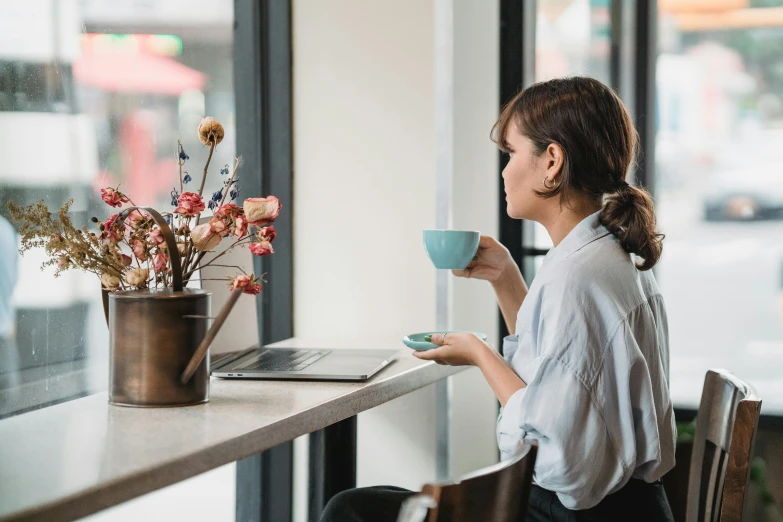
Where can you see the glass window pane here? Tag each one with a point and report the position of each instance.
(573, 38)
(719, 192)
(94, 94)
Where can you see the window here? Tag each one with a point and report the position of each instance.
(94, 94)
(719, 191)
(35, 87)
(573, 38)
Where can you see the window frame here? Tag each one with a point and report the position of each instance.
(263, 98)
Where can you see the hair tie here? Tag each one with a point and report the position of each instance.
(622, 185)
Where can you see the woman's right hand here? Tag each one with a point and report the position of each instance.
(491, 260)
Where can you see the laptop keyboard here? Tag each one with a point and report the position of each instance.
(281, 360)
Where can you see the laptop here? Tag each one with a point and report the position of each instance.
(302, 363)
(273, 363)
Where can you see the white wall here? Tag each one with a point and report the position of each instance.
(364, 185)
(365, 188)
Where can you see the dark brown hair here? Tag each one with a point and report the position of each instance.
(590, 123)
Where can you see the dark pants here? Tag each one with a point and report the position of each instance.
(637, 501)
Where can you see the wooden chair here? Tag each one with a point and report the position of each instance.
(722, 449)
(497, 493)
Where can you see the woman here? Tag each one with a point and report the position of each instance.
(586, 374)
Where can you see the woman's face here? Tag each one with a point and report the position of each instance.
(525, 173)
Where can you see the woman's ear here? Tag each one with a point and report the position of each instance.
(554, 161)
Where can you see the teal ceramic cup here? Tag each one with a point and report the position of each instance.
(451, 249)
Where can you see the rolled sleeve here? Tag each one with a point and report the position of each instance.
(509, 432)
(510, 346)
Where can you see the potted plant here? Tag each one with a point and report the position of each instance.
(145, 259)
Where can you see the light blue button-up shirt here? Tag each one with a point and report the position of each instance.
(592, 345)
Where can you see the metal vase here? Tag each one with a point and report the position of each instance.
(152, 336)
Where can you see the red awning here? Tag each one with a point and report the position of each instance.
(136, 72)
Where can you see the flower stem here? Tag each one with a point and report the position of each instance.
(237, 161)
(204, 177)
(179, 162)
(228, 266)
(201, 255)
(187, 264)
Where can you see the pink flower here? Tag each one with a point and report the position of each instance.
(126, 260)
(267, 234)
(63, 262)
(189, 204)
(110, 233)
(113, 197)
(240, 226)
(246, 282)
(135, 218)
(156, 236)
(139, 250)
(132, 222)
(234, 217)
(240, 282)
(228, 210)
(160, 261)
(262, 211)
(217, 225)
(263, 248)
(204, 239)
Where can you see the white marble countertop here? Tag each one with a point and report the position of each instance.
(73, 459)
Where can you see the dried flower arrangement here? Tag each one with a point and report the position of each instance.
(130, 251)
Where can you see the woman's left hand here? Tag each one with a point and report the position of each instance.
(459, 349)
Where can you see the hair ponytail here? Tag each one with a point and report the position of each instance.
(629, 215)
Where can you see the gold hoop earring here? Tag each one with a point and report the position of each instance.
(547, 186)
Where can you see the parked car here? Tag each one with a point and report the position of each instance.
(745, 194)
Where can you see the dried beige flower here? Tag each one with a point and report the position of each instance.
(110, 282)
(38, 228)
(262, 211)
(210, 131)
(204, 238)
(137, 277)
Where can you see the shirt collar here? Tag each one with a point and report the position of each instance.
(584, 233)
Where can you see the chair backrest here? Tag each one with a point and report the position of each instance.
(497, 493)
(722, 448)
